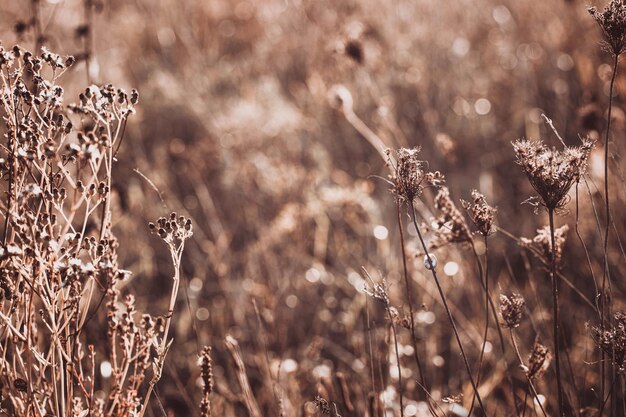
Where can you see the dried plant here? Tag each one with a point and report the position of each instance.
(451, 225)
(538, 361)
(541, 244)
(206, 373)
(511, 310)
(410, 176)
(612, 21)
(613, 341)
(481, 213)
(552, 172)
(58, 249)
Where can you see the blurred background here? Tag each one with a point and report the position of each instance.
(236, 129)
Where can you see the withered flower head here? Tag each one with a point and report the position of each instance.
(451, 225)
(612, 21)
(552, 172)
(541, 244)
(206, 373)
(613, 341)
(511, 309)
(538, 361)
(411, 175)
(482, 214)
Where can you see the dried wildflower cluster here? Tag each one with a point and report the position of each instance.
(451, 225)
(411, 175)
(613, 341)
(482, 214)
(541, 244)
(538, 361)
(206, 373)
(378, 291)
(612, 21)
(552, 172)
(511, 310)
(172, 230)
(57, 249)
(325, 408)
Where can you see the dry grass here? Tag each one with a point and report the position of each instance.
(322, 151)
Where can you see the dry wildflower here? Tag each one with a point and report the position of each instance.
(541, 244)
(552, 172)
(613, 341)
(322, 405)
(538, 361)
(411, 175)
(206, 373)
(451, 225)
(378, 291)
(511, 309)
(173, 230)
(482, 214)
(612, 21)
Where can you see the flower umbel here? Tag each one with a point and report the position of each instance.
(612, 21)
(511, 309)
(613, 341)
(541, 244)
(411, 175)
(538, 361)
(451, 225)
(482, 214)
(552, 172)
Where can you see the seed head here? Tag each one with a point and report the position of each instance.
(411, 175)
(452, 227)
(541, 244)
(511, 309)
(538, 361)
(613, 341)
(552, 172)
(612, 21)
(482, 214)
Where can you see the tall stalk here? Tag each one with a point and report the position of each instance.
(555, 305)
(410, 302)
(605, 273)
(445, 305)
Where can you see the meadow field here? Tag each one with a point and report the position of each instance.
(303, 208)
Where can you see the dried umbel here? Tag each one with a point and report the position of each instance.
(173, 230)
(541, 244)
(451, 225)
(613, 341)
(552, 172)
(612, 21)
(538, 361)
(482, 214)
(411, 175)
(511, 309)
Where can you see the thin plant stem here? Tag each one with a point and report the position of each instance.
(605, 274)
(530, 382)
(410, 301)
(555, 318)
(395, 345)
(445, 305)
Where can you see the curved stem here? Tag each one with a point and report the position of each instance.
(445, 305)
